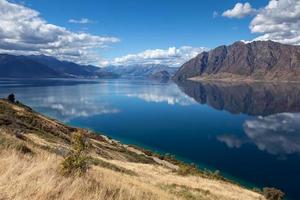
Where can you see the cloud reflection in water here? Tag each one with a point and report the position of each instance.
(66, 108)
(277, 134)
(168, 94)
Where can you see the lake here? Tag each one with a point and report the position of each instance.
(250, 132)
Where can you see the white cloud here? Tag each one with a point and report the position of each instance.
(23, 31)
(239, 11)
(81, 21)
(172, 56)
(278, 21)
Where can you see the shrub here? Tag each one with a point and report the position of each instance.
(76, 163)
(169, 158)
(273, 194)
(79, 142)
(11, 98)
(213, 174)
(185, 169)
(148, 153)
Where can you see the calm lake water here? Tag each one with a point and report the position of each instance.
(249, 132)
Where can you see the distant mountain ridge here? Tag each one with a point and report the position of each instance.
(255, 61)
(23, 67)
(161, 75)
(140, 70)
(41, 66)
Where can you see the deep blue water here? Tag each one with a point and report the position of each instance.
(249, 132)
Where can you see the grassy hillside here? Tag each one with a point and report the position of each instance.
(42, 158)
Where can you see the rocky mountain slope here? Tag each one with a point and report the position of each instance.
(35, 150)
(255, 61)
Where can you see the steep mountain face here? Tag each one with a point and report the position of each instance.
(41, 66)
(140, 70)
(259, 60)
(22, 66)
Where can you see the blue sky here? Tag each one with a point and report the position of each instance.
(150, 24)
(142, 25)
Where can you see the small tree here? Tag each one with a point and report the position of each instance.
(11, 98)
(273, 194)
(76, 162)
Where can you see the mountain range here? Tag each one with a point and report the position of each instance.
(254, 61)
(41, 66)
(142, 70)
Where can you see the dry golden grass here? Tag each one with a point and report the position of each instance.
(37, 177)
(117, 172)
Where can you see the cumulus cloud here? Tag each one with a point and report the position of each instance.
(239, 11)
(172, 56)
(23, 31)
(277, 134)
(278, 21)
(81, 21)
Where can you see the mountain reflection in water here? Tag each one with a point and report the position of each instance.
(251, 99)
(276, 129)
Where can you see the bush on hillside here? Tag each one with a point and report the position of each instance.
(76, 163)
(273, 194)
(186, 169)
(11, 98)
